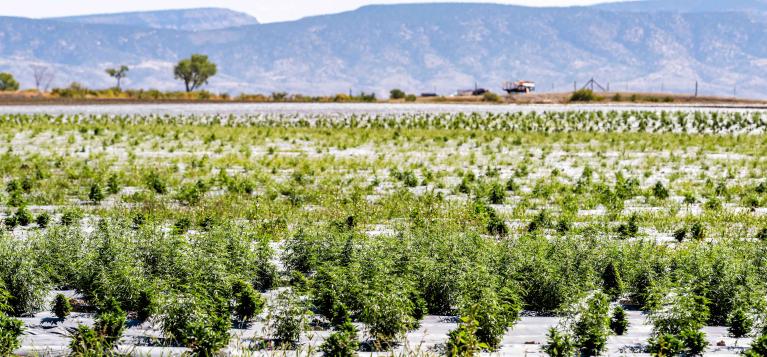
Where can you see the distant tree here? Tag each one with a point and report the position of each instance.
(118, 74)
(43, 77)
(195, 71)
(8, 83)
(396, 94)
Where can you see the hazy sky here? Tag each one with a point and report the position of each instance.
(264, 10)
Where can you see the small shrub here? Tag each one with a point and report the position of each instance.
(740, 324)
(199, 323)
(43, 219)
(496, 194)
(689, 199)
(496, 225)
(681, 312)
(110, 326)
(343, 342)
(156, 183)
(61, 306)
(411, 98)
(558, 344)
(288, 319)
(10, 328)
(71, 217)
(248, 303)
(10, 222)
(16, 199)
(182, 225)
(85, 341)
(762, 235)
(665, 345)
(697, 231)
(95, 194)
(583, 95)
(463, 340)
(23, 217)
(629, 229)
(612, 284)
(680, 234)
(564, 225)
(494, 314)
(22, 276)
(592, 327)
(113, 184)
(619, 324)
(491, 97)
(138, 220)
(539, 222)
(511, 185)
(192, 194)
(146, 306)
(713, 204)
(758, 347)
(464, 187)
(694, 342)
(407, 177)
(659, 191)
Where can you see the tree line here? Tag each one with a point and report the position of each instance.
(194, 71)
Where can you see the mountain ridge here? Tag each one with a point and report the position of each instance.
(416, 47)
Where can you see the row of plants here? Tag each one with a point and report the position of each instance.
(642, 121)
(197, 282)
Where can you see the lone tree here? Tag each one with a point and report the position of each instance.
(118, 74)
(195, 71)
(397, 94)
(8, 83)
(43, 77)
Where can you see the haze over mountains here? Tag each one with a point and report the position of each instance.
(640, 46)
(186, 20)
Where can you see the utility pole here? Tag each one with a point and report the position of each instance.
(696, 89)
(575, 86)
